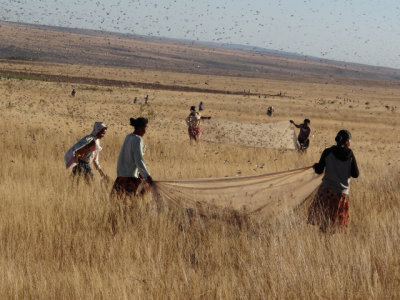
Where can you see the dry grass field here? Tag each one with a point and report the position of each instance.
(56, 237)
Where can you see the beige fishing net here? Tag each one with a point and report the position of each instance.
(261, 194)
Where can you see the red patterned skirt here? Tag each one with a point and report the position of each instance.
(194, 133)
(128, 186)
(329, 208)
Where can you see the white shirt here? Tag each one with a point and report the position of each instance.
(90, 155)
(130, 159)
(193, 120)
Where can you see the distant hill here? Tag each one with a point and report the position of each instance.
(93, 47)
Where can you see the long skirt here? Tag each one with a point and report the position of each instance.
(194, 133)
(329, 208)
(129, 186)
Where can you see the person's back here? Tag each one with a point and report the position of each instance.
(339, 162)
(304, 132)
(130, 160)
(133, 178)
(193, 119)
(193, 122)
(331, 202)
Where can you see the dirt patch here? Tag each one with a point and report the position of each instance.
(277, 135)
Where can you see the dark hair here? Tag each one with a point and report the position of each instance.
(342, 137)
(307, 121)
(193, 108)
(139, 122)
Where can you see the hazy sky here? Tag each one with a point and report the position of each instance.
(363, 31)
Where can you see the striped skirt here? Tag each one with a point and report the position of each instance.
(329, 208)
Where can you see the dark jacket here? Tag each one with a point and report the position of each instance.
(340, 164)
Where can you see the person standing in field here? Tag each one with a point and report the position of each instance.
(331, 203)
(83, 153)
(193, 123)
(304, 133)
(133, 178)
(270, 111)
(201, 106)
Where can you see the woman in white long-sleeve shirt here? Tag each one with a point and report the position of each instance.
(132, 172)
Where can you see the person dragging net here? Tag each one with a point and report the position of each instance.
(84, 152)
(331, 203)
(193, 122)
(305, 130)
(133, 178)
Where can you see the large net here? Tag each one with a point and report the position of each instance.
(261, 194)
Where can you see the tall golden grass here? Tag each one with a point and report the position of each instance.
(62, 239)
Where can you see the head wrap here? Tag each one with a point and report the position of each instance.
(97, 128)
(139, 122)
(342, 137)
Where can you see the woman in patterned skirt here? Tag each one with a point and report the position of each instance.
(331, 203)
(193, 123)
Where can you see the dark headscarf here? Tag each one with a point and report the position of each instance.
(342, 137)
(139, 122)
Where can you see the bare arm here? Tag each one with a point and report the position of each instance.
(291, 121)
(96, 162)
(97, 166)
